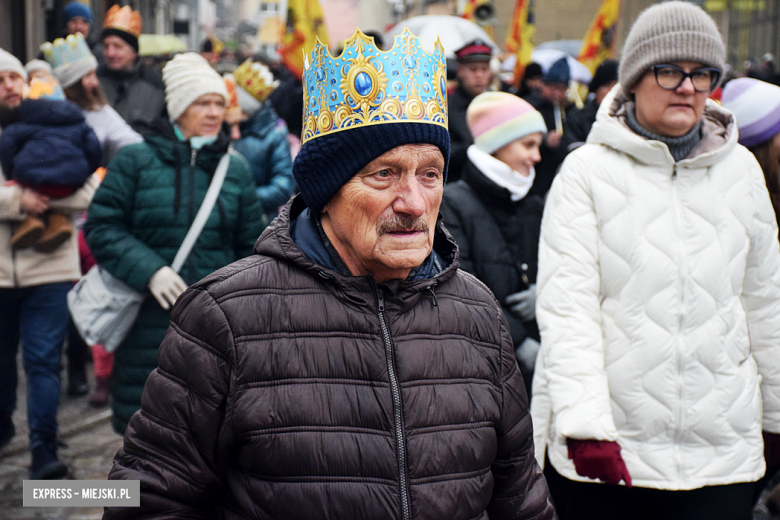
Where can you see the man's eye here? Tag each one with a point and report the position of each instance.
(383, 174)
(431, 174)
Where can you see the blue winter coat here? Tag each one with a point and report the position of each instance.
(264, 144)
(50, 144)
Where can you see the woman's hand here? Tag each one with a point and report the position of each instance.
(33, 202)
(166, 285)
(599, 459)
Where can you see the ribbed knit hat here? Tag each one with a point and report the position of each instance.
(10, 62)
(187, 77)
(498, 118)
(756, 105)
(33, 65)
(668, 32)
(326, 163)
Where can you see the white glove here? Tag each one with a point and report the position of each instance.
(523, 303)
(166, 285)
(526, 353)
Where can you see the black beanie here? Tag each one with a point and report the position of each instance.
(606, 73)
(324, 164)
(131, 40)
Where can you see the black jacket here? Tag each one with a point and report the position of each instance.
(578, 124)
(498, 239)
(137, 94)
(460, 135)
(288, 390)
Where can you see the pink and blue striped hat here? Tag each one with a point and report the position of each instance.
(498, 118)
(756, 105)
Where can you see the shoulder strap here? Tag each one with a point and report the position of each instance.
(203, 213)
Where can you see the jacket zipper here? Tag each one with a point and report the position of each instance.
(191, 204)
(398, 412)
(680, 303)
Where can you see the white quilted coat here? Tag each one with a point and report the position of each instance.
(659, 306)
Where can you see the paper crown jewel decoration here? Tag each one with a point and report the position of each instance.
(65, 51)
(256, 79)
(123, 19)
(366, 86)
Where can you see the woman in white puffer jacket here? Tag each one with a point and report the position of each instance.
(659, 295)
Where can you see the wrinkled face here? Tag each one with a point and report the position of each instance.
(671, 113)
(474, 77)
(521, 154)
(78, 24)
(118, 54)
(203, 117)
(382, 221)
(11, 89)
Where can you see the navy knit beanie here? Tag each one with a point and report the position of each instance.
(559, 72)
(324, 164)
(77, 9)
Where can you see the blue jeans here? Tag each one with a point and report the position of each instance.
(39, 317)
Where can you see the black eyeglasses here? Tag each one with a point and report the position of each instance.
(670, 77)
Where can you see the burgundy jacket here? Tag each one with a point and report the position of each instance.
(286, 390)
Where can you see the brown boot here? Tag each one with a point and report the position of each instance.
(101, 393)
(58, 231)
(28, 233)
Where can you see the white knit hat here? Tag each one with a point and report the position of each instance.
(34, 65)
(187, 77)
(10, 62)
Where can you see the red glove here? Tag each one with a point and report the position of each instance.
(771, 449)
(599, 459)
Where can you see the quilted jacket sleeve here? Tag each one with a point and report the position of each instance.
(520, 490)
(175, 444)
(761, 295)
(108, 227)
(568, 309)
(281, 185)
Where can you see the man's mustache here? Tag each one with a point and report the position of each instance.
(403, 224)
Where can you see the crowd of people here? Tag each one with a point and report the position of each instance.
(498, 304)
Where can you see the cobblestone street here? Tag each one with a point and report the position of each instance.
(91, 445)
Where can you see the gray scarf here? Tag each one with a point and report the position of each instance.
(679, 147)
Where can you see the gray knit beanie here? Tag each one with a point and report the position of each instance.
(667, 32)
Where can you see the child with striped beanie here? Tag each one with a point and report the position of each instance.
(756, 106)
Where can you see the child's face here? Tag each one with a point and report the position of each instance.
(40, 74)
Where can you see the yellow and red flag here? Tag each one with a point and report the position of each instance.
(305, 23)
(518, 39)
(600, 40)
(470, 9)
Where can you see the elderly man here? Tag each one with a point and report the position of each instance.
(33, 309)
(133, 90)
(348, 369)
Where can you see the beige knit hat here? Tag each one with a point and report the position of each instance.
(667, 32)
(187, 77)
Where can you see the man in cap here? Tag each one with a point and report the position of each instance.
(552, 103)
(135, 91)
(78, 19)
(33, 307)
(474, 77)
(347, 369)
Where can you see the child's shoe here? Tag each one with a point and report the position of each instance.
(57, 232)
(28, 233)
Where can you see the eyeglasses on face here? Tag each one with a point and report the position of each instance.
(670, 77)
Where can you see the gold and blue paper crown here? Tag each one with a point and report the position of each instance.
(64, 51)
(366, 86)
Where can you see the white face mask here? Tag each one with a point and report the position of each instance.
(501, 173)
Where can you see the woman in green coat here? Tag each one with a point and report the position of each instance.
(147, 203)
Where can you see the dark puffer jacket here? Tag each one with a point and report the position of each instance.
(498, 238)
(291, 391)
(139, 218)
(49, 144)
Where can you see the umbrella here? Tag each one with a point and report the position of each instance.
(156, 44)
(454, 32)
(570, 47)
(546, 57)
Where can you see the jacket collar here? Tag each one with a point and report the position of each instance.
(277, 241)
(719, 134)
